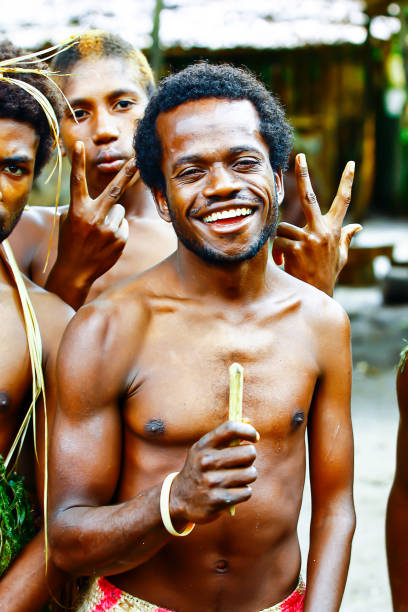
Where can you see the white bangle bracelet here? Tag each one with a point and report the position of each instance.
(165, 507)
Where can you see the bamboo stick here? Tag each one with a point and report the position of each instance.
(236, 388)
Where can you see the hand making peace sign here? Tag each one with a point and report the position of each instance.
(93, 233)
(317, 252)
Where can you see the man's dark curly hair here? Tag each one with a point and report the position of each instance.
(203, 80)
(17, 104)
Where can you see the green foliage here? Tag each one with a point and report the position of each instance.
(16, 519)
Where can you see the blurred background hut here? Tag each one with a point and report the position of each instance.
(335, 64)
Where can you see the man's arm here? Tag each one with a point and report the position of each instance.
(331, 468)
(92, 235)
(89, 533)
(29, 569)
(25, 587)
(397, 510)
(317, 252)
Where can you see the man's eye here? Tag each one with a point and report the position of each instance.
(14, 170)
(190, 172)
(80, 113)
(246, 164)
(122, 104)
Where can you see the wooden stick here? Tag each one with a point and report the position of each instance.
(236, 388)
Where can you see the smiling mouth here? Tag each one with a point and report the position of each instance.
(226, 216)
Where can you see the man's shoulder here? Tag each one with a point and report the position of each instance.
(120, 313)
(319, 308)
(31, 232)
(52, 313)
(40, 217)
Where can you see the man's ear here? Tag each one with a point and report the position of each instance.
(161, 204)
(280, 190)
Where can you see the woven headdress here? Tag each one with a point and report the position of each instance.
(29, 64)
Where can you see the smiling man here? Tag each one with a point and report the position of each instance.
(143, 383)
(108, 88)
(26, 143)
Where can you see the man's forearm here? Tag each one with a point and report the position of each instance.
(328, 560)
(108, 539)
(26, 587)
(64, 283)
(397, 546)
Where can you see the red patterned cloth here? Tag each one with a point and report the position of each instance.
(293, 603)
(105, 597)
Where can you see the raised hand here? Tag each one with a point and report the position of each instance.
(92, 235)
(317, 252)
(215, 474)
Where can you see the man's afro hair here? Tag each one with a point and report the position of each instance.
(203, 80)
(17, 104)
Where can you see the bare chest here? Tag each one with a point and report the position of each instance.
(180, 389)
(14, 370)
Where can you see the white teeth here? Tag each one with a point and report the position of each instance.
(227, 214)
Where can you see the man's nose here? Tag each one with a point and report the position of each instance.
(221, 182)
(105, 128)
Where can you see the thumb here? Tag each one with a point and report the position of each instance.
(347, 233)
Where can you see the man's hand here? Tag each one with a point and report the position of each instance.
(215, 475)
(92, 235)
(317, 252)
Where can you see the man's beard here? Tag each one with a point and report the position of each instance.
(210, 255)
(4, 232)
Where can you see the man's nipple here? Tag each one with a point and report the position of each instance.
(298, 419)
(5, 401)
(155, 427)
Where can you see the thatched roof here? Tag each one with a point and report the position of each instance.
(211, 24)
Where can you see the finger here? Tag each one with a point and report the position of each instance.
(226, 433)
(342, 200)
(79, 187)
(287, 230)
(123, 231)
(277, 253)
(234, 456)
(347, 233)
(116, 187)
(231, 478)
(308, 200)
(114, 217)
(285, 246)
(232, 497)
